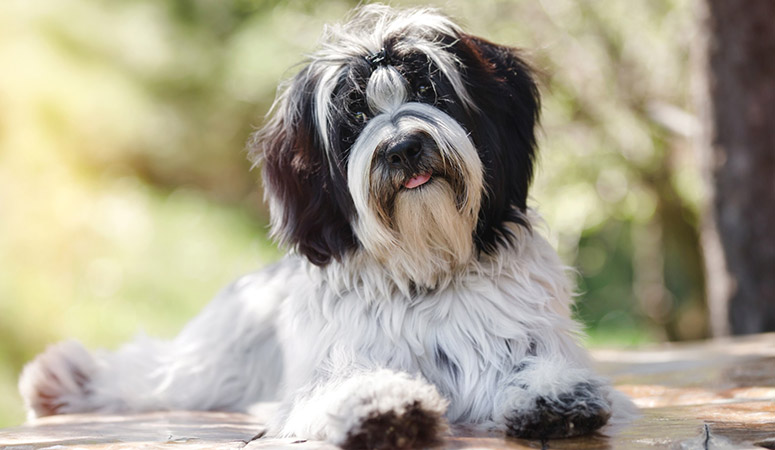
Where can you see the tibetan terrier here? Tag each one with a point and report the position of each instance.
(417, 293)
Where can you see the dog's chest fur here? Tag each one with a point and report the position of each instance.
(463, 337)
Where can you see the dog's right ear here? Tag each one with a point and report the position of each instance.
(503, 85)
(309, 205)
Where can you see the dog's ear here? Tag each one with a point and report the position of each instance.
(308, 201)
(504, 127)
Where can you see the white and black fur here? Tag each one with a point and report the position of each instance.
(399, 310)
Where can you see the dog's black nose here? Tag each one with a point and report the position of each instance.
(404, 153)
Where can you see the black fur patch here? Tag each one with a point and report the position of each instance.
(415, 428)
(503, 130)
(316, 206)
(574, 413)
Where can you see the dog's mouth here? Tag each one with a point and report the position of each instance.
(417, 180)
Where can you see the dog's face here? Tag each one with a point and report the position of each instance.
(403, 138)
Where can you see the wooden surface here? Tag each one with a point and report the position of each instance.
(710, 395)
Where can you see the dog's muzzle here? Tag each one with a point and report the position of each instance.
(408, 148)
(411, 158)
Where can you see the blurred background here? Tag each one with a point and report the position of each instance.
(126, 200)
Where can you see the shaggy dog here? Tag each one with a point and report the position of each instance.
(396, 165)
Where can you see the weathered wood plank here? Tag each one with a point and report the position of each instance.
(718, 394)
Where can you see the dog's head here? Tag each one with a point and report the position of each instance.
(404, 138)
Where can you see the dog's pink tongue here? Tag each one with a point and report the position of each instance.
(417, 181)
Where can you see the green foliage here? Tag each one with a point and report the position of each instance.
(126, 200)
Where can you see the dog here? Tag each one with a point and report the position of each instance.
(417, 292)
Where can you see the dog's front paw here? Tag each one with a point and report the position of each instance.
(580, 411)
(57, 381)
(387, 410)
(414, 427)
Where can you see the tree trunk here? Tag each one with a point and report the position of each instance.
(738, 104)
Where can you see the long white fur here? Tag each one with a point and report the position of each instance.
(386, 90)
(433, 239)
(364, 34)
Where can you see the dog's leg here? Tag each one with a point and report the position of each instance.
(549, 399)
(225, 359)
(378, 409)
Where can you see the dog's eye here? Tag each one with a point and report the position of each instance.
(360, 117)
(424, 89)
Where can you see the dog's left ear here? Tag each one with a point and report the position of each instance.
(508, 102)
(308, 201)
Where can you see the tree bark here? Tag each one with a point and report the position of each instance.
(738, 105)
